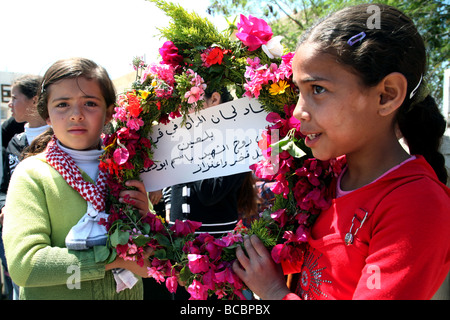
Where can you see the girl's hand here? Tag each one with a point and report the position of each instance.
(120, 263)
(138, 198)
(259, 271)
(155, 196)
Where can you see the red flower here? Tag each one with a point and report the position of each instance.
(212, 56)
(134, 105)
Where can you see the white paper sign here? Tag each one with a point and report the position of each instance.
(218, 141)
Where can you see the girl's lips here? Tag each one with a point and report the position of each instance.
(77, 131)
(311, 139)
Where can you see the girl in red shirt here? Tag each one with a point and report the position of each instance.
(361, 73)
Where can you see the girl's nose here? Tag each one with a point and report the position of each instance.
(300, 112)
(77, 113)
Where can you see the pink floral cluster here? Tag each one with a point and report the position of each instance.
(305, 179)
(200, 261)
(162, 79)
(197, 91)
(126, 143)
(259, 75)
(212, 273)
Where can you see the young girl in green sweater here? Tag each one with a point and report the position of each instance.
(52, 191)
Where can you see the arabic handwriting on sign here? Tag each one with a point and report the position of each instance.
(258, 111)
(230, 117)
(175, 127)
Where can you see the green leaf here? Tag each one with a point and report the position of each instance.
(185, 274)
(162, 240)
(119, 237)
(146, 228)
(101, 253)
(279, 145)
(112, 256)
(141, 240)
(160, 254)
(293, 149)
(123, 237)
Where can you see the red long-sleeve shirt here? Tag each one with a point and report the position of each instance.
(401, 251)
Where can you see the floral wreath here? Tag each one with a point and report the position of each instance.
(198, 59)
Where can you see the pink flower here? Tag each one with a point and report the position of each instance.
(225, 276)
(121, 156)
(280, 252)
(135, 123)
(281, 186)
(164, 72)
(301, 234)
(198, 263)
(183, 228)
(155, 274)
(264, 169)
(169, 54)
(214, 249)
(253, 32)
(231, 238)
(120, 113)
(194, 95)
(172, 284)
(197, 290)
(156, 225)
(209, 279)
(280, 216)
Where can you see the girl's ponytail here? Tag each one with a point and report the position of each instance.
(423, 126)
(38, 145)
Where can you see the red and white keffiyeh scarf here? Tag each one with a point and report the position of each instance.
(95, 194)
(65, 165)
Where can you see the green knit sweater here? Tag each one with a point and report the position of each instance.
(40, 210)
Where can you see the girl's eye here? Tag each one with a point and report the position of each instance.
(91, 104)
(318, 89)
(62, 105)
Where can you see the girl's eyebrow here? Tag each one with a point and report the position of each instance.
(312, 79)
(67, 98)
(308, 79)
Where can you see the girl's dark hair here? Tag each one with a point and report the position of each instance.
(28, 84)
(391, 44)
(248, 196)
(225, 95)
(72, 68)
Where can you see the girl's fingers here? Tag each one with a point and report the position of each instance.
(252, 254)
(242, 258)
(137, 198)
(137, 184)
(259, 247)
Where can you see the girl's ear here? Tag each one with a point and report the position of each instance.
(109, 113)
(215, 99)
(392, 90)
(48, 121)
